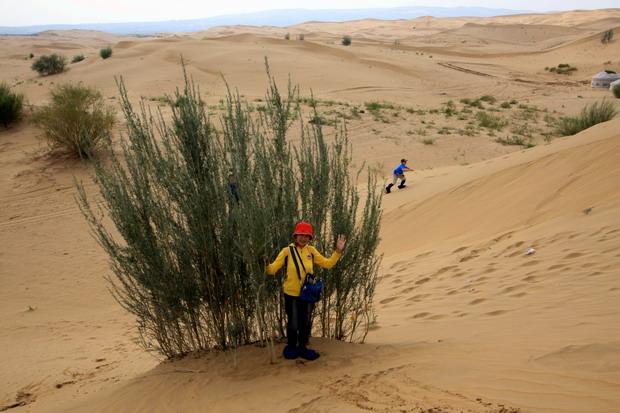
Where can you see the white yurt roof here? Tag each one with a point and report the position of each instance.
(605, 76)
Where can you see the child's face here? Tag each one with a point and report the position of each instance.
(302, 239)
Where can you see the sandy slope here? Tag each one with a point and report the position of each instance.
(466, 321)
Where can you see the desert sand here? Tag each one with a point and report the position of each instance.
(466, 321)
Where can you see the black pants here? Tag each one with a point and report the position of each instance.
(299, 313)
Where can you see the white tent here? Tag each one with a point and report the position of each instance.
(604, 79)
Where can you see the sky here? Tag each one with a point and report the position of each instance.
(35, 12)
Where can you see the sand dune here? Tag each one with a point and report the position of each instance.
(467, 321)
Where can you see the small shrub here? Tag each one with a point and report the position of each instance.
(505, 105)
(616, 90)
(49, 64)
(30, 56)
(346, 40)
(607, 36)
(287, 36)
(11, 105)
(77, 58)
(449, 109)
(428, 141)
(105, 53)
(490, 121)
(563, 69)
(488, 98)
(301, 37)
(516, 140)
(76, 121)
(598, 112)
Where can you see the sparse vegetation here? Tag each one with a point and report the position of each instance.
(615, 89)
(428, 141)
(105, 52)
(287, 36)
(346, 40)
(562, 69)
(49, 64)
(607, 36)
(488, 99)
(11, 105)
(77, 58)
(301, 37)
(516, 140)
(591, 115)
(76, 121)
(489, 121)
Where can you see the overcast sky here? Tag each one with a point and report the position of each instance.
(33, 12)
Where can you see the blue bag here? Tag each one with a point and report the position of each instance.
(312, 286)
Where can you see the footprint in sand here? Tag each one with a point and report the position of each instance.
(459, 250)
(588, 265)
(557, 267)
(388, 300)
(408, 290)
(423, 281)
(530, 279)
(573, 255)
(477, 301)
(420, 315)
(496, 312)
(424, 254)
(518, 295)
(530, 263)
(489, 270)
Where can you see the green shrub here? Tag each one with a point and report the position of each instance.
(49, 64)
(616, 90)
(287, 36)
(428, 141)
(505, 105)
(301, 37)
(346, 40)
(11, 105)
(105, 53)
(591, 115)
(30, 56)
(77, 58)
(516, 140)
(76, 121)
(488, 98)
(186, 249)
(490, 121)
(607, 36)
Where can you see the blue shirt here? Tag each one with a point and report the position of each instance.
(400, 169)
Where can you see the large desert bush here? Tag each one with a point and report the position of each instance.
(196, 208)
(49, 64)
(77, 120)
(598, 112)
(11, 105)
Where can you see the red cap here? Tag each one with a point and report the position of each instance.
(304, 228)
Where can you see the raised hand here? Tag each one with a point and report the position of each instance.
(340, 242)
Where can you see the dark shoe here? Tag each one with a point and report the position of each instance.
(290, 352)
(388, 188)
(402, 186)
(308, 354)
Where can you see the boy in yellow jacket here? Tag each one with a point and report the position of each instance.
(299, 311)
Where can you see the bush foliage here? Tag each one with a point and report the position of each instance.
(591, 115)
(77, 58)
(11, 105)
(197, 208)
(607, 36)
(105, 53)
(615, 89)
(76, 121)
(50, 64)
(346, 40)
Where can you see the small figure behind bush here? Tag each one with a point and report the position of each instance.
(105, 53)
(11, 105)
(76, 121)
(50, 64)
(346, 40)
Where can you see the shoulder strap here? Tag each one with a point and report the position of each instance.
(295, 255)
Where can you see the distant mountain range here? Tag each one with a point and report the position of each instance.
(278, 18)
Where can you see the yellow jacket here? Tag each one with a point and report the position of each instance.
(310, 256)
